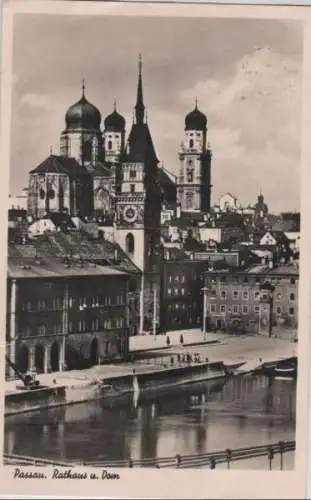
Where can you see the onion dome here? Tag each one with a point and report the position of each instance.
(83, 115)
(115, 122)
(195, 120)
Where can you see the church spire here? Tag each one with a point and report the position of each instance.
(139, 107)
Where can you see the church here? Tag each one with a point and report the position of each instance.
(100, 175)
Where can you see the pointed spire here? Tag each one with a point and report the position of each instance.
(51, 150)
(115, 105)
(139, 107)
(83, 87)
(196, 103)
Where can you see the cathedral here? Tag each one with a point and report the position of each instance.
(102, 175)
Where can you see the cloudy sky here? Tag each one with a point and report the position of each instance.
(246, 75)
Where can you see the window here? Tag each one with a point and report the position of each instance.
(170, 278)
(176, 279)
(257, 280)
(213, 308)
(95, 324)
(70, 302)
(235, 279)
(292, 296)
(87, 151)
(245, 279)
(41, 330)
(223, 294)
(81, 325)
(278, 310)
(130, 243)
(223, 279)
(245, 309)
(190, 175)
(169, 291)
(183, 278)
(223, 308)
(235, 294)
(109, 145)
(189, 200)
(41, 305)
(132, 174)
(107, 323)
(246, 295)
(175, 291)
(236, 308)
(278, 296)
(256, 295)
(191, 143)
(70, 327)
(176, 306)
(256, 309)
(292, 281)
(132, 188)
(182, 291)
(291, 311)
(213, 294)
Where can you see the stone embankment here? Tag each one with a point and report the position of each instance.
(168, 366)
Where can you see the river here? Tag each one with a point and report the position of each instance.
(243, 411)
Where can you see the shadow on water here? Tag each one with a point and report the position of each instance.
(241, 411)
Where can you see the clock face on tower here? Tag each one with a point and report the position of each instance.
(130, 214)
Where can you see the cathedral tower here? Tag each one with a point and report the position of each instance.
(194, 180)
(82, 138)
(113, 136)
(139, 205)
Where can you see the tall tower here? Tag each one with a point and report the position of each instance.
(113, 136)
(82, 138)
(139, 205)
(194, 180)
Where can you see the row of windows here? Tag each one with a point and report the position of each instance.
(57, 329)
(245, 295)
(245, 309)
(176, 291)
(57, 303)
(96, 324)
(176, 306)
(247, 279)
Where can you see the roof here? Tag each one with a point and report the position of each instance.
(284, 226)
(166, 178)
(63, 221)
(45, 268)
(140, 145)
(100, 169)
(74, 246)
(60, 165)
(262, 269)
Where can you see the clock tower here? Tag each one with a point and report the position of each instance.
(139, 209)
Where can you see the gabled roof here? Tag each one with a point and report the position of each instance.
(60, 165)
(166, 178)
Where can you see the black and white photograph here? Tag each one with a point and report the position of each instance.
(153, 243)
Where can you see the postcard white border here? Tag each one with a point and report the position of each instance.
(140, 483)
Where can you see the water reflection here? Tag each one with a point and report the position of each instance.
(243, 411)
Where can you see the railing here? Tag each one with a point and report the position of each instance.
(200, 460)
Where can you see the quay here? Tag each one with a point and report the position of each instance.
(215, 355)
(212, 460)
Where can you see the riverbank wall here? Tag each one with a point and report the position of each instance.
(23, 401)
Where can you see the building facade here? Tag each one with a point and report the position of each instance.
(61, 317)
(261, 300)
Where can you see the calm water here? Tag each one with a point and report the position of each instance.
(244, 411)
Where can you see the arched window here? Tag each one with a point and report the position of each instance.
(130, 243)
(109, 145)
(191, 143)
(87, 151)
